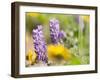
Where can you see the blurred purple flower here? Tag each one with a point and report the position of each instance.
(54, 30)
(62, 34)
(55, 33)
(80, 22)
(39, 44)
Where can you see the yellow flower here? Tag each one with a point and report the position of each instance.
(86, 18)
(31, 57)
(58, 53)
(32, 14)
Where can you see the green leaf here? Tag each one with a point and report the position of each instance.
(75, 60)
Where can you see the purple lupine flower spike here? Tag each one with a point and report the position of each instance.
(39, 44)
(62, 34)
(54, 30)
(55, 33)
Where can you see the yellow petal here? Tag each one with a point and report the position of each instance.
(31, 56)
(86, 18)
(32, 14)
(58, 51)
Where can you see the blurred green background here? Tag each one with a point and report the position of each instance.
(75, 26)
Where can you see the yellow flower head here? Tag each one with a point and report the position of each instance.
(31, 57)
(86, 18)
(58, 52)
(32, 14)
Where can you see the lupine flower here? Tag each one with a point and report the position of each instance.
(54, 30)
(62, 34)
(55, 33)
(39, 44)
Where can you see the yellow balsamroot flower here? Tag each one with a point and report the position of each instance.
(58, 53)
(32, 14)
(31, 57)
(86, 18)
